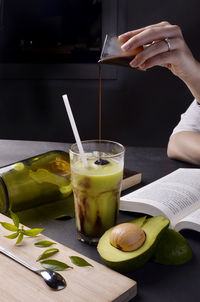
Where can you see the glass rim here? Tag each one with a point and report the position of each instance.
(102, 141)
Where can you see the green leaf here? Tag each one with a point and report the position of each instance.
(9, 226)
(44, 243)
(15, 218)
(20, 238)
(55, 265)
(32, 232)
(48, 253)
(12, 236)
(79, 261)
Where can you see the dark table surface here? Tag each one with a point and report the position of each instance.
(156, 282)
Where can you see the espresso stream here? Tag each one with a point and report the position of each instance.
(100, 161)
(100, 68)
(120, 60)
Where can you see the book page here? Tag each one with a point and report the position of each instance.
(176, 195)
(191, 221)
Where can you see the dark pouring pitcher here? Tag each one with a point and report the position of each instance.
(113, 54)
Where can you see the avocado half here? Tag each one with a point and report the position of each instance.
(129, 261)
(172, 249)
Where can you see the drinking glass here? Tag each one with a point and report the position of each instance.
(96, 182)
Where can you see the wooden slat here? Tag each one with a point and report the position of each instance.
(85, 284)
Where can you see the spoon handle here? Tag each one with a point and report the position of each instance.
(19, 260)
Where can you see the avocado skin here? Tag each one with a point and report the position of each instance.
(134, 260)
(172, 249)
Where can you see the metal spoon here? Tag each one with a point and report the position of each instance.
(52, 279)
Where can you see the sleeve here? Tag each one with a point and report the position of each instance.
(190, 120)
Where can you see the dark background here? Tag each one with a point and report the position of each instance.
(138, 108)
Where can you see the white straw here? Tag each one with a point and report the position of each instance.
(74, 128)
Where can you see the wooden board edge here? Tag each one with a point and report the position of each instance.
(128, 295)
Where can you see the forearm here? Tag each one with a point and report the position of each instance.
(192, 80)
(185, 146)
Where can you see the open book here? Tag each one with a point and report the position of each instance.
(176, 196)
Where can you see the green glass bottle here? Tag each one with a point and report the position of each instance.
(35, 181)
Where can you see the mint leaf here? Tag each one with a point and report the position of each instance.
(19, 232)
(79, 261)
(20, 238)
(44, 243)
(48, 253)
(9, 226)
(15, 218)
(12, 236)
(55, 265)
(32, 232)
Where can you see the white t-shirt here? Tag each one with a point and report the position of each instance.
(190, 120)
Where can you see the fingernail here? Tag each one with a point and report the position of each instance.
(122, 38)
(142, 66)
(125, 47)
(141, 69)
(133, 63)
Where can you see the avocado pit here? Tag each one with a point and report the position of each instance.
(127, 237)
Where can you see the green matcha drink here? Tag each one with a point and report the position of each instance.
(96, 184)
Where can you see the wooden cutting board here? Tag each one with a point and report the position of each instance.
(84, 284)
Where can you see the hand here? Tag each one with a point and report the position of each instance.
(178, 58)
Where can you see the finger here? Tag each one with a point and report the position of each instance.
(155, 49)
(126, 36)
(152, 34)
(163, 59)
